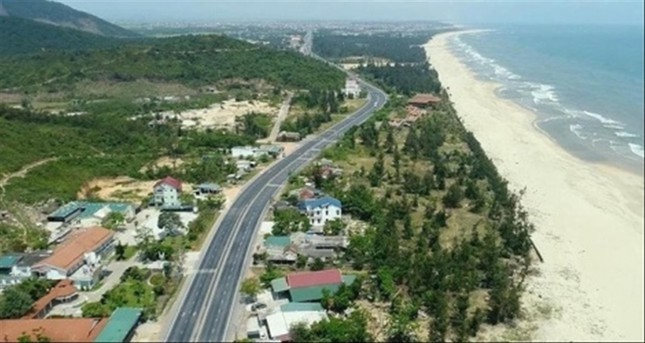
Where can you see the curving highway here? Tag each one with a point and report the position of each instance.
(203, 311)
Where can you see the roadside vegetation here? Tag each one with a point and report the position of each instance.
(446, 245)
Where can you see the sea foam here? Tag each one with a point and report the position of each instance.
(637, 149)
(577, 130)
(625, 134)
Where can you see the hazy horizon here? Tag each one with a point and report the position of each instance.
(459, 12)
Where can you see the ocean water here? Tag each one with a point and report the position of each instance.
(585, 83)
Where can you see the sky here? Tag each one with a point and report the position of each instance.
(454, 12)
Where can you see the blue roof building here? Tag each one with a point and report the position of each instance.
(321, 210)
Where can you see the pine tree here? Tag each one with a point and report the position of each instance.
(407, 226)
(411, 146)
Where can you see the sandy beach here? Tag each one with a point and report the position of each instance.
(588, 217)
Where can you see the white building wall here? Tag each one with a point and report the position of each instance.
(320, 215)
(166, 195)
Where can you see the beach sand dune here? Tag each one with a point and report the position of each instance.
(588, 217)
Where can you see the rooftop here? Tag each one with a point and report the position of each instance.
(279, 285)
(56, 329)
(170, 181)
(89, 208)
(63, 289)
(313, 293)
(321, 202)
(8, 261)
(424, 99)
(318, 278)
(277, 241)
(119, 325)
(292, 307)
(72, 250)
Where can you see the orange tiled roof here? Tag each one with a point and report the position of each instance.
(63, 289)
(56, 329)
(71, 251)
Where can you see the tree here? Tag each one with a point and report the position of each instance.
(289, 220)
(113, 220)
(119, 251)
(454, 196)
(169, 221)
(301, 261)
(408, 232)
(250, 287)
(334, 227)
(459, 321)
(411, 146)
(96, 310)
(14, 303)
(439, 310)
(318, 264)
(377, 172)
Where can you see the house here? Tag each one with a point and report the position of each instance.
(282, 205)
(279, 250)
(286, 136)
(86, 213)
(119, 327)
(63, 292)
(352, 89)
(309, 286)
(279, 322)
(166, 193)
(272, 150)
(327, 242)
(422, 100)
(207, 188)
(245, 165)
(321, 210)
(247, 152)
(78, 257)
(18, 267)
(55, 329)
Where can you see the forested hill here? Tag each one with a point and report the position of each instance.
(54, 13)
(24, 36)
(190, 60)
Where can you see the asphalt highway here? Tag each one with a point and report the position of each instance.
(205, 310)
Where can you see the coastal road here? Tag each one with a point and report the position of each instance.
(204, 311)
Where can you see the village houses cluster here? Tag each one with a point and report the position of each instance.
(82, 250)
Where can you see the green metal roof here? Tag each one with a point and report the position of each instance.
(349, 279)
(314, 293)
(122, 321)
(279, 285)
(66, 209)
(295, 307)
(277, 241)
(89, 208)
(8, 261)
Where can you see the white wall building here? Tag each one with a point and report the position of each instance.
(352, 88)
(166, 192)
(321, 210)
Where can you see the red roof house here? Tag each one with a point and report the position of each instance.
(170, 181)
(319, 278)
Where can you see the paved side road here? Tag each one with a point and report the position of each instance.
(205, 312)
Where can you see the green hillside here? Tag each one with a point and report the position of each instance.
(22, 36)
(190, 60)
(61, 15)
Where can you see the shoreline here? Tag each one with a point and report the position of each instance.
(588, 215)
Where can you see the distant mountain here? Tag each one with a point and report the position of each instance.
(55, 13)
(24, 36)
